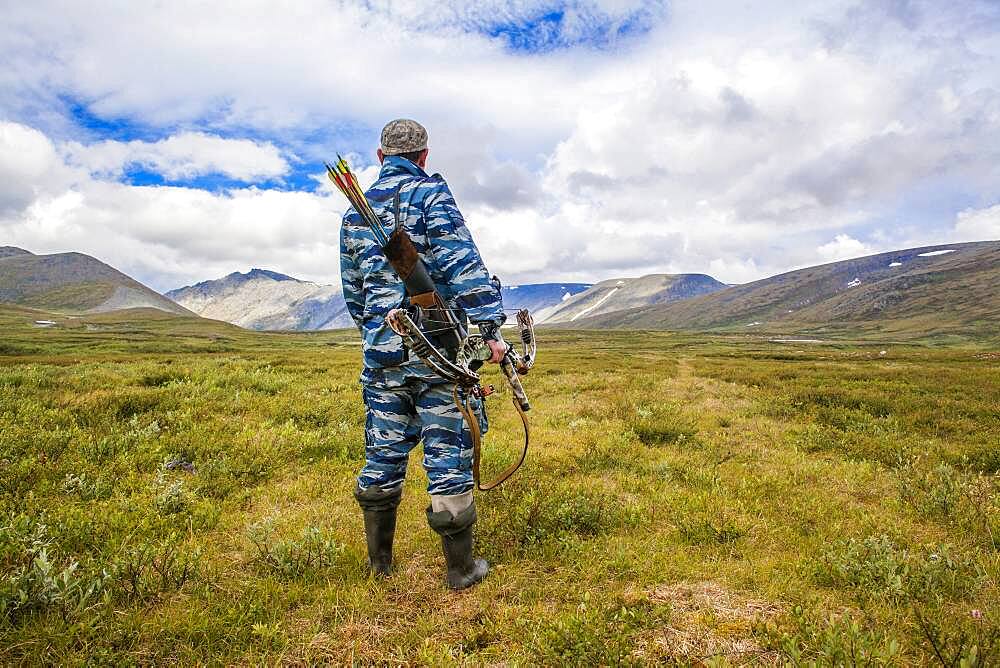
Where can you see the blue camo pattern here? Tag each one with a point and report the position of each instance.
(408, 404)
(431, 217)
(405, 401)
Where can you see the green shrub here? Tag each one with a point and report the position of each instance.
(967, 500)
(162, 378)
(314, 550)
(984, 459)
(708, 531)
(662, 425)
(936, 492)
(697, 476)
(147, 571)
(35, 580)
(593, 635)
(85, 488)
(863, 439)
(819, 639)
(172, 497)
(877, 568)
(975, 643)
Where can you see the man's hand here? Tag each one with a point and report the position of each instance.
(499, 349)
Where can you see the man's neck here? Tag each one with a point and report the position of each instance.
(397, 164)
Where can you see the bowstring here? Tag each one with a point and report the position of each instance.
(461, 310)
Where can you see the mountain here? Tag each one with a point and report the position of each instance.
(73, 283)
(538, 296)
(262, 299)
(624, 293)
(931, 291)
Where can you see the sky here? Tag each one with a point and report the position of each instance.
(583, 141)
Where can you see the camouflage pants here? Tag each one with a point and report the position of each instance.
(405, 405)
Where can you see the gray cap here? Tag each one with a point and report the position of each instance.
(403, 136)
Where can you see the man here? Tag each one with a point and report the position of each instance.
(405, 401)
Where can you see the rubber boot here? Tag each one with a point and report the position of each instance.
(379, 509)
(456, 539)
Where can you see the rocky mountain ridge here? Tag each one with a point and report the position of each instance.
(266, 300)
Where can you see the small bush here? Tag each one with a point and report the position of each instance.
(263, 380)
(220, 475)
(975, 643)
(984, 459)
(36, 581)
(145, 572)
(816, 639)
(313, 551)
(875, 567)
(943, 492)
(863, 440)
(936, 492)
(162, 378)
(172, 498)
(594, 636)
(662, 426)
(697, 476)
(612, 452)
(708, 531)
(84, 488)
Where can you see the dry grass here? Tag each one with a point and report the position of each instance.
(709, 621)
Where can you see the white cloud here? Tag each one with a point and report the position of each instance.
(182, 156)
(29, 166)
(843, 247)
(167, 236)
(738, 141)
(978, 224)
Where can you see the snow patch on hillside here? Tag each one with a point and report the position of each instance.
(593, 306)
(937, 252)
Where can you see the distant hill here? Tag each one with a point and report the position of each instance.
(262, 299)
(73, 283)
(538, 296)
(624, 293)
(943, 290)
(12, 251)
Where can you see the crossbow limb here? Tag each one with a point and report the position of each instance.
(461, 371)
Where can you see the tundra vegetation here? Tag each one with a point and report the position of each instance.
(179, 490)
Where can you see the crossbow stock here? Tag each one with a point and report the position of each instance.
(463, 371)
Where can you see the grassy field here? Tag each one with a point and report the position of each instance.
(176, 490)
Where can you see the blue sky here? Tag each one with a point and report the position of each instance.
(583, 140)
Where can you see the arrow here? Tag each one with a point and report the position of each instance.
(342, 177)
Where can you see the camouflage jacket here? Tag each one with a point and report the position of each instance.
(430, 216)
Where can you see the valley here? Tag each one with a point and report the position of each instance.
(688, 498)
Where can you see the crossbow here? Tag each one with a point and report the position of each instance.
(462, 370)
(433, 332)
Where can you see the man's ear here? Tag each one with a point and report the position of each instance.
(381, 156)
(422, 160)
